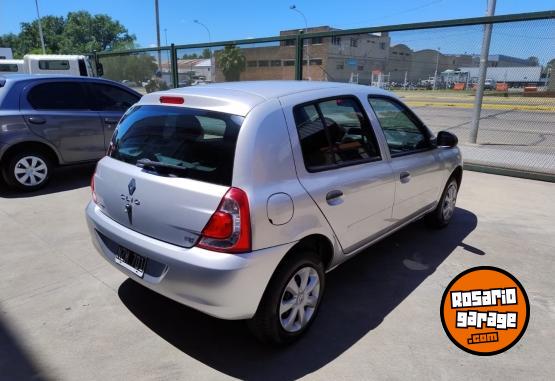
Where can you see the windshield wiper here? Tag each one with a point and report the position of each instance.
(161, 167)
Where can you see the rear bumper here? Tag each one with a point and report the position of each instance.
(227, 286)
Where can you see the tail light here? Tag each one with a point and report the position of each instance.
(229, 228)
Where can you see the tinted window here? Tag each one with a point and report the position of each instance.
(201, 141)
(57, 96)
(9, 67)
(402, 130)
(54, 65)
(82, 68)
(335, 131)
(111, 98)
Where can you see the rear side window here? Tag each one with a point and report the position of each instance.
(203, 142)
(334, 132)
(11, 68)
(57, 96)
(54, 64)
(111, 98)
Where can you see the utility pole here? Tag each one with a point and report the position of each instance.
(40, 28)
(158, 36)
(482, 75)
(294, 8)
(212, 63)
(437, 66)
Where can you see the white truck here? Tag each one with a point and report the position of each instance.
(75, 65)
(6, 54)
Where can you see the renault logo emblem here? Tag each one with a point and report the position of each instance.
(131, 187)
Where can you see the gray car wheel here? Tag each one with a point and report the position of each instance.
(27, 171)
(445, 209)
(291, 300)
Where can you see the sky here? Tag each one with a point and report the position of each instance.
(229, 20)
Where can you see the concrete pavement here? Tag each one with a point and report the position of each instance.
(65, 314)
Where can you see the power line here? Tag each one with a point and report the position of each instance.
(425, 5)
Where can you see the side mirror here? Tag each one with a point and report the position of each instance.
(446, 139)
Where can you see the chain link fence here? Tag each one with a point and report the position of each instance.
(432, 67)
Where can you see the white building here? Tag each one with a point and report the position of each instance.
(513, 75)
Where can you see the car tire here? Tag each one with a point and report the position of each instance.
(278, 318)
(27, 171)
(442, 214)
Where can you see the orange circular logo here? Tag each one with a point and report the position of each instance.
(485, 310)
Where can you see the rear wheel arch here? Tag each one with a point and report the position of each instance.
(32, 146)
(457, 174)
(317, 243)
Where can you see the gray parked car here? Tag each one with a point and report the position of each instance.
(236, 198)
(55, 120)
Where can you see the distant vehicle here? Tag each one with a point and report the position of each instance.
(6, 53)
(55, 120)
(75, 65)
(489, 84)
(11, 66)
(235, 199)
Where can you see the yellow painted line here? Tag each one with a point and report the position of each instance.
(485, 106)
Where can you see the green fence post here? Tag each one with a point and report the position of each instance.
(299, 56)
(175, 74)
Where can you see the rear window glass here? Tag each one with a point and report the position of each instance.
(201, 141)
(53, 64)
(12, 68)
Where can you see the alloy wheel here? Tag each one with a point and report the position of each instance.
(299, 299)
(449, 202)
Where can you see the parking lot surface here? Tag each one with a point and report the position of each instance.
(66, 314)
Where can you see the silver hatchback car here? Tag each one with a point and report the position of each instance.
(236, 198)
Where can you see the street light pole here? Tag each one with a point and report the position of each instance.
(158, 35)
(212, 66)
(166, 35)
(437, 66)
(294, 8)
(473, 136)
(40, 28)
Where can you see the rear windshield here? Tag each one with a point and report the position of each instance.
(201, 141)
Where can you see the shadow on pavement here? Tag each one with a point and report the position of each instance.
(359, 295)
(15, 364)
(63, 179)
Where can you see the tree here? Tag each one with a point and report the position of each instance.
(137, 67)
(205, 53)
(231, 62)
(78, 33)
(534, 61)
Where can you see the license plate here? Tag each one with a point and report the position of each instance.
(131, 261)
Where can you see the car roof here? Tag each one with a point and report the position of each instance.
(25, 77)
(54, 56)
(240, 97)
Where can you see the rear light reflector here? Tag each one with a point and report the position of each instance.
(229, 228)
(92, 188)
(172, 100)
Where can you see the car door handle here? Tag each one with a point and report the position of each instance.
(404, 177)
(332, 196)
(37, 120)
(111, 120)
